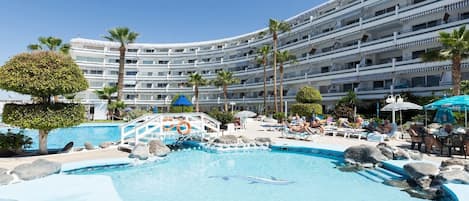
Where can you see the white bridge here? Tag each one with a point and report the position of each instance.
(168, 126)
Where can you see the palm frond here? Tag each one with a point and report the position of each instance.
(34, 47)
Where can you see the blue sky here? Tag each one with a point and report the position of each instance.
(157, 21)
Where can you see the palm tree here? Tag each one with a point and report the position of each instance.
(282, 58)
(456, 49)
(225, 78)
(264, 52)
(124, 36)
(106, 94)
(275, 27)
(196, 80)
(50, 43)
(465, 87)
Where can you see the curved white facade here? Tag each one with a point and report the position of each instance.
(342, 45)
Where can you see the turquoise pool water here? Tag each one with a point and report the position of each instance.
(202, 176)
(93, 133)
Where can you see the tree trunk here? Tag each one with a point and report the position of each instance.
(109, 111)
(456, 75)
(43, 142)
(281, 87)
(120, 78)
(225, 94)
(196, 98)
(265, 86)
(275, 72)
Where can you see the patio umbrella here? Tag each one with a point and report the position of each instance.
(182, 101)
(399, 106)
(245, 114)
(460, 103)
(444, 115)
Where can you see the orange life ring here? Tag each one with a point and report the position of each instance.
(186, 131)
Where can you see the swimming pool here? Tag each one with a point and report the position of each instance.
(248, 176)
(93, 133)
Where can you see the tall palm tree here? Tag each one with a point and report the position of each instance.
(264, 53)
(124, 36)
(456, 49)
(196, 80)
(275, 27)
(225, 78)
(50, 43)
(282, 58)
(106, 94)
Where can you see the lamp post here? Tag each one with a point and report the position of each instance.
(232, 106)
(391, 100)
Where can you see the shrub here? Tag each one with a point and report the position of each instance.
(305, 109)
(14, 142)
(43, 75)
(308, 95)
(223, 117)
(43, 116)
(343, 111)
(280, 116)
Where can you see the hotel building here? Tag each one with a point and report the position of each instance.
(370, 46)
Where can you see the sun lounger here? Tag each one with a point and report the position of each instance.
(287, 133)
(381, 137)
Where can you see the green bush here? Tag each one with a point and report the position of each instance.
(308, 94)
(14, 142)
(280, 116)
(223, 117)
(305, 109)
(343, 111)
(44, 116)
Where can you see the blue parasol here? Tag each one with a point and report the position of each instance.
(444, 115)
(182, 101)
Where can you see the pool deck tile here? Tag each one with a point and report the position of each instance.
(62, 187)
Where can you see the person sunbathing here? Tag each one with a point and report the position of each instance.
(385, 128)
(315, 124)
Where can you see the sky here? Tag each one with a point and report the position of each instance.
(157, 21)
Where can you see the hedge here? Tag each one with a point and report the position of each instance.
(305, 109)
(44, 116)
(308, 95)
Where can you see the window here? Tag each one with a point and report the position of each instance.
(163, 62)
(325, 69)
(149, 85)
(131, 61)
(132, 50)
(327, 30)
(418, 1)
(149, 50)
(433, 80)
(191, 61)
(112, 84)
(113, 72)
(327, 49)
(96, 84)
(130, 96)
(425, 25)
(352, 21)
(90, 59)
(418, 81)
(464, 16)
(179, 50)
(95, 72)
(113, 60)
(378, 84)
(85, 71)
(131, 73)
(417, 54)
(129, 85)
(147, 62)
(161, 73)
(161, 85)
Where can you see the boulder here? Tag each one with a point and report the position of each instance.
(3, 171)
(263, 139)
(415, 155)
(105, 145)
(453, 161)
(158, 148)
(5, 179)
(420, 170)
(454, 176)
(424, 182)
(37, 169)
(386, 150)
(245, 139)
(401, 154)
(363, 154)
(67, 148)
(140, 151)
(89, 146)
(227, 139)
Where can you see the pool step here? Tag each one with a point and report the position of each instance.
(379, 175)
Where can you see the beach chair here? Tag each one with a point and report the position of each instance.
(287, 133)
(381, 137)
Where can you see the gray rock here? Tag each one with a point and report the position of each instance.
(140, 151)
(105, 145)
(454, 176)
(158, 148)
(397, 183)
(245, 139)
(37, 169)
(424, 182)
(227, 139)
(67, 148)
(453, 161)
(3, 171)
(76, 149)
(401, 154)
(364, 154)
(386, 150)
(5, 179)
(420, 169)
(466, 167)
(89, 146)
(263, 139)
(415, 155)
